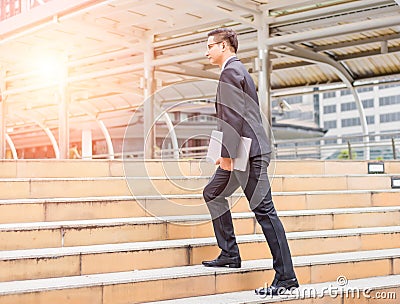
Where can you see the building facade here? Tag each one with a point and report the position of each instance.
(339, 114)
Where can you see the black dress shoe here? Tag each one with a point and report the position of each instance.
(277, 287)
(223, 261)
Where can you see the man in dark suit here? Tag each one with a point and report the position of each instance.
(238, 114)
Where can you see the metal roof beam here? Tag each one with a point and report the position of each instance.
(189, 71)
(251, 8)
(192, 28)
(355, 42)
(335, 19)
(112, 72)
(322, 12)
(217, 5)
(288, 4)
(285, 66)
(44, 15)
(369, 53)
(303, 53)
(102, 34)
(199, 34)
(349, 28)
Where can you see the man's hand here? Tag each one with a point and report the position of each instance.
(225, 163)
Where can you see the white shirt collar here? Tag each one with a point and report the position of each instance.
(225, 62)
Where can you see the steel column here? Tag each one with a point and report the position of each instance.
(3, 114)
(102, 126)
(63, 115)
(363, 119)
(264, 71)
(87, 144)
(148, 106)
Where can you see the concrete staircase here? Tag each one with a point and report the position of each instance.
(71, 232)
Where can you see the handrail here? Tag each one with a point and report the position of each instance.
(311, 148)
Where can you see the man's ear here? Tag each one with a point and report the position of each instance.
(224, 46)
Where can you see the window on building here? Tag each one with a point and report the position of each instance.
(372, 138)
(330, 141)
(390, 136)
(388, 86)
(365, 89)
(389, 100)
(351, 122)
(183, 116)
(329, 94)
(345, 92)
(294, 99)
(370, 119)
(389, 117)
(306, 115)
(330, 109)
(330, 124)
(353, 138)
(368, 103)
(348, 106)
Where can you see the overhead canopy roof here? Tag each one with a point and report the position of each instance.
(103, 43)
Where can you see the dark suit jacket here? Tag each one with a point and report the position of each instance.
(238, 111)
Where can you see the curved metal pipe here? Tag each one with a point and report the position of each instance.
(172, 133)
(12, 146)
(107, 136)
(47, 131)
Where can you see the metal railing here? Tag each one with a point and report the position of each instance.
(381, 147)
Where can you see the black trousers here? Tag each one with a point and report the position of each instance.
(255, 184)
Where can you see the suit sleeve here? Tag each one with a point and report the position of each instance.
(232, 106)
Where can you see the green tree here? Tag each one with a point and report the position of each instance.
(344, 154)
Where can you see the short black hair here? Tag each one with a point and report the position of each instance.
(225, 34)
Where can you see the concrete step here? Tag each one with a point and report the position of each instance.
(189, 281)
(107, 168)
(65, 209)
(123, 230)
(328, 167)
(139, 186)
(83, 260)
(47, 168)
(381, 289)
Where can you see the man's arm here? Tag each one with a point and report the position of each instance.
(232, 101)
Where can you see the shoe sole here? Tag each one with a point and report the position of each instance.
(227, 265)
